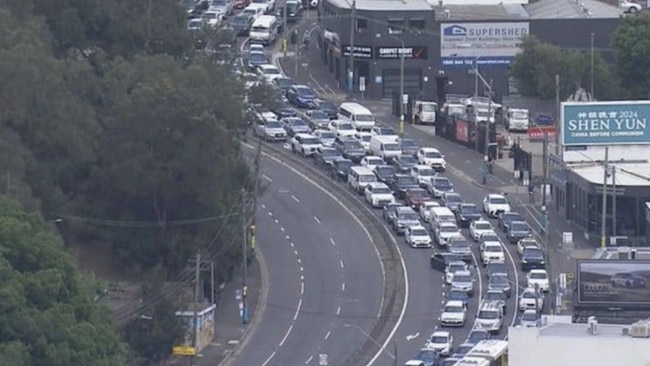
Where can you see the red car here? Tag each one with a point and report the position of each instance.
(240, 4)
(415, 196)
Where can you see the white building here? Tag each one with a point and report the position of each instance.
(561, 343)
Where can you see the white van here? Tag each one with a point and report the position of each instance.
(264, 29)
(361, 117)
(441, 214)
(385, 147)
(359, 177)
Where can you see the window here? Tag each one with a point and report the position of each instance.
(362, 25)
(419, 24)
(395, 26)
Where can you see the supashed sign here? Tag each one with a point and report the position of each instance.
(605, 123)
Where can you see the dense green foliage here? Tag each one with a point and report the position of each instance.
(48, 314)
(535, 68)
(631, 41)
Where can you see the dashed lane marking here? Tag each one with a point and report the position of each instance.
(317, 220)
(295, 198)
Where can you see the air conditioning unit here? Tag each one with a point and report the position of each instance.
(640, 329)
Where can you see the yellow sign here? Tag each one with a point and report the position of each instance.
(184, 351)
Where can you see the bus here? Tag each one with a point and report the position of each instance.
(495, 352)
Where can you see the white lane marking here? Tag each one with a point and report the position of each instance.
(295, 252)
(341, 263)
(292, 245)
(281, 228)
(411, 337)
(277, 221)
(309, 360)
(317, 220)
(328, 334)
(342, 286)
(295, 198)
(301, 268)
(263, 205)
(269, 359)
(267, 177)
(300, 262)
(288, 237)
(332, 241)
(302, 278)
(302, 288)
(338, 310)
(286, 336)
(514, 267)
(270, 213)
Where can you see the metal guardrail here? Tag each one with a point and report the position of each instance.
(383, 241)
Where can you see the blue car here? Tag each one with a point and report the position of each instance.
(255, 59)
(301, 96)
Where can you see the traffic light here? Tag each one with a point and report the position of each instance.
(283, 46)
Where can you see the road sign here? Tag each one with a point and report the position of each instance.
(322, 359)
(184, 351)
(362, 83)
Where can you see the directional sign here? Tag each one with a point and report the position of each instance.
(322, 359)
(184, 351)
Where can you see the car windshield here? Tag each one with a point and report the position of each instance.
(495, 295)
(498, 201)
(292, 6)
(273, 124)
(329, 152)
(392, 147)
(496, 267)
(529, 316)
(428, 107)
(469, 209)
(407, 180)
(442, 183)
(297, 123)
(240, 19)
(326, 106)
(462, 278)
(453, 309)
(344, 165)
(528, 295)
(385, 190)
(499, 280)
(455, 267)
(408, 143)
(385, 170)
(352, 145)
(305, 92)
(410, 216)
(271, 71)
(196, 23)
(386, 131)
(426, 355)
(327, 135)
(250, 77)
(460, 245)
(258, 1)
(512, 216)
(476, 336)
(433, 155)
(453, 198)
(483, 226)
(489, 237)
(345, 126)
(367, 178)
(257, 57)
(210, 15)
(458, 295)
(533, 252)
(310, 141)
(365, 138)
(519, 115)
(538, 275)
(419, 193)
(284, 82)
(488, 314)
(426, 172)
(249, 11)
(493, 248)
(374, 161)
(364, 118)
(319, 115)
(407, 159)
(439, 340)
(448, 229)
(519, 226)
(418, 232)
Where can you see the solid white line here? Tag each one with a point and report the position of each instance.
(514, 267)
(328, 334)
(267, 177)
(269, 359)
(341, 263)
(286, 336)
(295, 198)
(317, 220)
(338, 311)
(302, 288)
(332, 241)
(309, 360)
(343, 287)
(480, 280)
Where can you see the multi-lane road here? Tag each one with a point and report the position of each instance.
(325, 279)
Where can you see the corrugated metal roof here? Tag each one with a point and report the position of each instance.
(481, 12)
(571, 9)
(384, 5)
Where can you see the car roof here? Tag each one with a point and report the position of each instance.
(419, 227)
(267, 66)
(441, 333)
(457, 262)
(377, 185)
(304, 135)
(455, 302)
(489, 305)
(447, 223)
(463, 273)
(494, 195)
(429, 149)
(405, 209)
(422, 166)
(538, 270)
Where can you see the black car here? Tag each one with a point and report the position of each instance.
(324, 156)
(339, 169)
(351, 148)
(518, 230)
(452, 201)
(255, 59)
(532, 258)
(385, 174)
(284, 83)
(477, 335)
(326, 106)
(496, 268)
(388, 212)
(409, 146)
(402, 183)
(467, 212)
(293, 10)
(439, 261)
(283, 110)
(500, 282)
(505, 218)
(242, 23)
(404, 163)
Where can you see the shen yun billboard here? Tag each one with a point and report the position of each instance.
(605, 123)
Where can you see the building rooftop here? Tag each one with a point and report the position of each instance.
(384, 5)
(581, 330)
(627, 174)
(571, 9)
(472, 11)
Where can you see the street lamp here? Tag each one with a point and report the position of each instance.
(402, 104)
(592, 65)
(373, 340)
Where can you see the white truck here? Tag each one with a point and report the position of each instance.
(517, 120)
(424, 112)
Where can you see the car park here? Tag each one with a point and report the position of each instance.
(456, 294)
(342, 128)
(458, 245)
(409, 146)
(432, 157)
(505, 218)
(500, 282)
(496, 268)
(339, 169)
(317, 119)
(454, 314)
(417, 237)
(371, 162)
(378, 195)
(422, 173)
(304, 144)
(302, 96)
(463, 280)
(451, 200)
(495, 204)
(467, 212)
(479, 227)
(453, 267)
(269, 72)
(531, 299)
(425, 209)
(532, 258)
(404, 217)
(444, 232)
(402, 183)
(389, 212)
(498, 297)
(415, 196)
(490, 316)
(325, 137)
(518, 230)
(364, 139)
(295, 125)
(350, 148)
(441, 341)
(529, 319)
(385, 174)
(524, 243)
(324, 156)
(438, 185)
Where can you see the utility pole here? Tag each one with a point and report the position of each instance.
(475, 110)
(603, 223)
(544, 167)
(353, 23)
(284, 26)
(487, 123)
(558, 115)
(296, 51)
(592, 66)
(244, 244)
(403, 101)
(195, 317)
(614, 223)
(212, 287)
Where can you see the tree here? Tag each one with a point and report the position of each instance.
(536, 65)
(49, 317)
(631, 43)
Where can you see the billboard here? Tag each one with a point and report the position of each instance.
(486, 45)
(605, 123)
(613, 283)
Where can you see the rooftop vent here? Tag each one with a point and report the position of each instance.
(592, 325)
(640, 329)
(447, 14)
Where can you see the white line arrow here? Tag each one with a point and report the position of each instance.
(411, 337)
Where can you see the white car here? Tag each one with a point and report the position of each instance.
(256, 47)
(454, 314)
(305, 144)
(432, 157)
(196, 25)
(417, 237)
(254, 10)
(531, 300)
(443, 342)
(452, 268)
(539, 278)
(212, 18)
(269, 72)
(438, 185)
(342, 128)
(423, 174)
(325, 137)
(371, 162)
(262, 4)
(478, 227)
(378, 194)
(629, 7)
(492, 251)
(445, 231)
(425, 209)
(524, 243)
(494, 204)
(270, 129)
(364, 139)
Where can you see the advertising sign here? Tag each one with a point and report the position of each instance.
(613, 282)
(605, 123)
(462, 131)
(486, 45)
(413, 52)
(359, 51)
(541, 133)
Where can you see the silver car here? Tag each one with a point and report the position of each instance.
(463, 280)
